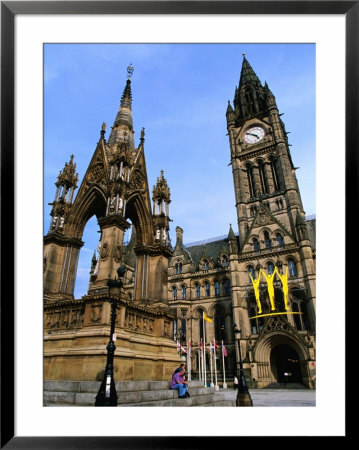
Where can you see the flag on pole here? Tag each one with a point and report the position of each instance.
(190, 348)
(183, 349)
(215, 344)
(224, 350)
(212, 347)
(207, 318)
(178, 346)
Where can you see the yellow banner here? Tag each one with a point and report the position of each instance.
(270, 288)
(207, 318)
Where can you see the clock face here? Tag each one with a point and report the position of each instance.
(254, 135)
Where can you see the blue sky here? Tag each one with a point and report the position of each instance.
(180, 94)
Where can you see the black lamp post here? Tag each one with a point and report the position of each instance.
(107, 395)
(243, 395)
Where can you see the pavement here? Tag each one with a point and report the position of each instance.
(276, 397)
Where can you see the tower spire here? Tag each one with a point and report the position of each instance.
(248, 76)
(250, 99)
(122, 129)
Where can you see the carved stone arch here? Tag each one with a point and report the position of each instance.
(93, 202)
(197, 313)
(269, 339)
(291, 257)
(141, 219)
(259, 160)
(217, 306)
(263, 230)
(264, 348)
(271, 157)
(269, 261)
(248, 164)
(278, 230)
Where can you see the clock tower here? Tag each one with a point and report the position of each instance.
(272, 230)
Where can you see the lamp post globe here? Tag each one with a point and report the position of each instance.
(107, 395)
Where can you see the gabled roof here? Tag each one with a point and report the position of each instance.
(211, 250)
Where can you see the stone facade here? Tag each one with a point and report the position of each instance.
(260, 280)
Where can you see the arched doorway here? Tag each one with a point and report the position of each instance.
(285, 364)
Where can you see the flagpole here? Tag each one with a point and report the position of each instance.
(210, 348)
(215, 368)
(189, 357)
(204, 350)
(200, 361)
(224, 370)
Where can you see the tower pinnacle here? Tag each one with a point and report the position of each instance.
(130, 70)
(122, 130)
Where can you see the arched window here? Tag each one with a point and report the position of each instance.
(297, 318)
(256, 322)
(270, 268)
(183, 328)
(279, 300)
(267, 240)
(279, 240)
(255, 245)
(219, 325)
(176, 268)
(225, 261)
(183, 292)
(207, 289)
(205, 265)
(263, 177)
(253, 322)
(292, 269)
(200, 315)
(274, 174)
(216, 288)
(299, 304)
(226, 286)
(198, 290)
(250, 181)
(252, 272)
(180, 267)
(174, 292)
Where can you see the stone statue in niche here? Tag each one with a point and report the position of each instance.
(96, 313)
(104, 251)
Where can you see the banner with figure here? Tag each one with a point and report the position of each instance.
(270, 278)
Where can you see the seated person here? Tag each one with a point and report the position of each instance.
(182, 366)
(178, 382)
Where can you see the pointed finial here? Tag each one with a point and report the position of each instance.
(243, 54)
(130, 70)
(103, 130)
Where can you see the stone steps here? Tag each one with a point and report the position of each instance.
(131, 393)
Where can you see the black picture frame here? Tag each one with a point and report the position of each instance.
(9, 10)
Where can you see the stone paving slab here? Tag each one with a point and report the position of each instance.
(276, 397)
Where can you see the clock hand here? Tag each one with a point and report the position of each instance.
(253, 135)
